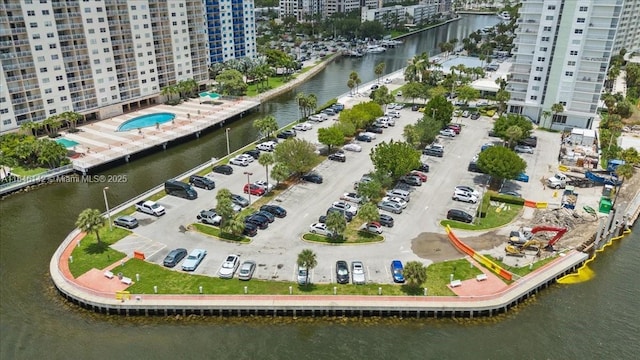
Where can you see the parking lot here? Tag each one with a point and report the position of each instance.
(275, 249)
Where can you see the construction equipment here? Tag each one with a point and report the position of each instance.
(519, 250)
(523, 238)
(512, 250)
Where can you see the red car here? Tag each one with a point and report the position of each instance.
(455, 127)
(421, 175)
(374, 227)
(253, 190)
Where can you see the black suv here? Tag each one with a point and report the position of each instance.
(254, 153)
(250, 229)
(223, 169)
(459, 215)
(260, 221)
(338, 157)
(342, 272)
(530, 141)
(424, 167)
(312, 177)
(286, 134)
(202, 182)
(276, 210)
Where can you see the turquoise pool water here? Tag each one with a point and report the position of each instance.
(146, 121)
(66, 142)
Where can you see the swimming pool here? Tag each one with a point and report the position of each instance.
(146, 121)
(66, 142)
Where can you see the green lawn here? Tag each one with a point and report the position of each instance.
(91, 255)
(524, 270)
(357, 237)
(439, 275)
(20, 171)
(496, 217)
(215, 232)
(273, 83)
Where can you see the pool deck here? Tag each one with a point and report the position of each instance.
(100, 142)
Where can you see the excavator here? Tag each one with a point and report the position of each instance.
(523, 239)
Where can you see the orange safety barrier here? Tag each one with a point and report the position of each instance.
(529, 203)
(478, 257)
(138, 255)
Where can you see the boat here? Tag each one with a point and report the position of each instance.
(375, 49)
(504, 15)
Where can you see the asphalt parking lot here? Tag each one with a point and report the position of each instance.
(275, 249)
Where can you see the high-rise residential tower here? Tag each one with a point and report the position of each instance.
(561, 55)
(628, 36)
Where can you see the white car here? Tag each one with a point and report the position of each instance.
(399, 93)
(320, 228)
(397, 200)
(229, 266)
(194, 259)
(464, 197)
(448, 133)
(387, 81)
(267, 187)
(352, 197)
(247, 157)
(399, 106)
(523, 149)
(352, 147)
(303, 127)
(267, 146)
(343, 205)
(239, 161)
(357, 273)
(393, 113)
(468, 189)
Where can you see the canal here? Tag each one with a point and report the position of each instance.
(597, 319)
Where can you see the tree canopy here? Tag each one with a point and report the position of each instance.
(394, 158)
(500, 163)
(331, 136)
(298, 154)
(506, 121)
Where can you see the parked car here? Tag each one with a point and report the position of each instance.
(431, 151)
(411, 180)
(239, 200)
(318, 117)
(194, 259)
(374, 129)
(402, 194)
(250, 229)
(202, 182)
(399, 93)
(364, 137)
(464, 196)
(253, 189)
(246, 270)
(343, 205)
(303, 275)
(386, 220)
(254, 153)
(320, 228)
(239, 161)
(276, 210)
(342, 272)
(523, 149)
(475, 116)
(267, 146)
(511, 193)
(180, 189)
(397, 271)
(422, 176)
(393, 113)
(352, 147)
(466, 114)
(223, 169)
(374, 87)
(530, 141)
(424, 167)
(351, 197)
(174, 257)
(267, 187)
(357, 273)
(126, 221)
(339, 156)
(303, 127)
(209, 217)
(390, 207)
(522, 177)
(459, 215)
(261, 221)
(266, 214)
(329, 111)
(468, 189)
(448, 133)
(286, 134)
(347, 215)
(374, 227)
(312, 177)
(397, 200)
(455, 127)
(229, 266)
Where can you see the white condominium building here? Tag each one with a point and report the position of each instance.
(341, 6)
(101, 58)
(302, 10)
(398, 14)
(628, 36)
(562, 51)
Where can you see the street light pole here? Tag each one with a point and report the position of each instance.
(433, 113)
(106, 204)
(249, 183)
(227, 133)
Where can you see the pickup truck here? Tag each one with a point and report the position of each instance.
(150, 207)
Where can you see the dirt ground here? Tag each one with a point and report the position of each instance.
(438, 248)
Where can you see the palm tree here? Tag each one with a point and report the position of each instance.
(311, 104)
(307, 258)
(169, 91)
(301, 99)
(280, 172)
(356, 79)
(266, 159)
(91, 220)
(557, 108)
(71, 118)
(351, 85)
(545, 115)
(379, 70)
(235, 225)
(415, 273)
